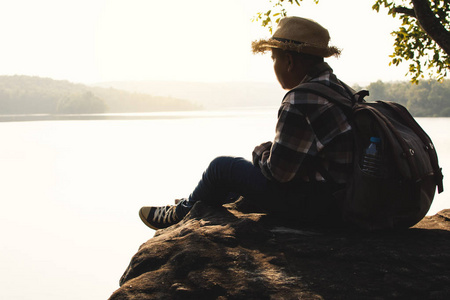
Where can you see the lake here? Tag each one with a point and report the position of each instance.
(71, 190)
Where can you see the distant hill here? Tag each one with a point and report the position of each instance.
(426, 99)
(208, 95)
(36, 95)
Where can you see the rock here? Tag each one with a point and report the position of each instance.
(222, 253)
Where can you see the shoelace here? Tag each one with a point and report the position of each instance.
(167, 213)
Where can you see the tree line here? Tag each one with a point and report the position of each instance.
(36, 95)
(425, 99)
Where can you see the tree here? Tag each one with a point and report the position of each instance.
(80, 103)
(426, 99)
(423, 38)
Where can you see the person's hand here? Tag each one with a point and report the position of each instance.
(261, 151)
(265, 156)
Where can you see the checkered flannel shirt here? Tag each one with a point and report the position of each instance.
(310, 131)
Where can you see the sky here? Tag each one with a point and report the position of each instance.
(92, 41)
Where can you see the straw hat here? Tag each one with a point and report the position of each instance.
(299, 35)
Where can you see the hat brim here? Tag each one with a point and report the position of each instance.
(262, 46)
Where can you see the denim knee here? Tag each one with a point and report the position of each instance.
(219, 163)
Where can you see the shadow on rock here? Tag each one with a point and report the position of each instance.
(222, 253)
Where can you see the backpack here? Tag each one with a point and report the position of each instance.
(401, 196)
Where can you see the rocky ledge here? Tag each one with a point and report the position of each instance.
(222, 253)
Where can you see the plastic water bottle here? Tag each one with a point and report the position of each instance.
(372, 160)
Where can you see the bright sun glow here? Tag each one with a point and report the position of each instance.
(199, 40)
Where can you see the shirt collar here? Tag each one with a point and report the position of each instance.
(316, 71)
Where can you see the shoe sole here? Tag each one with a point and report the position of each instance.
(144, 219)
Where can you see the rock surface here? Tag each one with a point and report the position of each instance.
(221, 253)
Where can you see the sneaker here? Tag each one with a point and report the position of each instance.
(159, 217)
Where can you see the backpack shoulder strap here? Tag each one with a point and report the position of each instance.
(346, 102)
(324, 91)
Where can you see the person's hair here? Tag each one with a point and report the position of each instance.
(309, 58)
(314, 59)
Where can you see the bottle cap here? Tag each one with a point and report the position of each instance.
(375, 139)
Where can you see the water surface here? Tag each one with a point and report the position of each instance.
(71, 190)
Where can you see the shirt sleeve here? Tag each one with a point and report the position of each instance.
(293, 140)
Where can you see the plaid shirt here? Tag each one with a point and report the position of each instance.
(310, 131)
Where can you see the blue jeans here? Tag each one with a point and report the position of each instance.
(238, 176)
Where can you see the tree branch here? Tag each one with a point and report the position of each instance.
(431, 24)
(405, 11)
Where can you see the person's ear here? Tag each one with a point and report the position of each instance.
(290, 62)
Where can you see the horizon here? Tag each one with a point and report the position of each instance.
(62, 96)
(187, 80)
